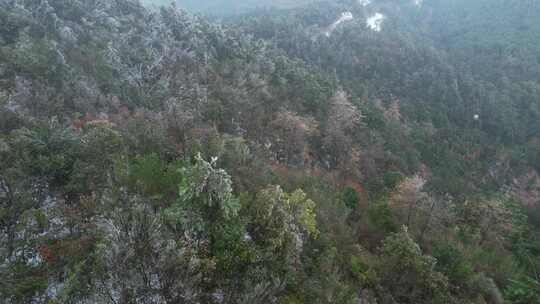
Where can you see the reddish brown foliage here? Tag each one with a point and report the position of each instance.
(74, 247)
(473, 156)
(355, 185)
(78, 124)
(46, 254)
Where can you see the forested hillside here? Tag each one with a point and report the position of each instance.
(359, 151)
(222, 8)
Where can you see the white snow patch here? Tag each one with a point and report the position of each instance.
(219, 296)
(67, 34)
(34, 259)
(364, 2)
(418, 2)
(345, 16)
(12, 106)
(375, 22)
(53, 289)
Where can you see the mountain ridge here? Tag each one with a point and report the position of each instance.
(288, 156)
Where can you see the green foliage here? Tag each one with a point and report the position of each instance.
(284, 218)
(100, 145)
(363, 271)
(22, 283)
(154, 177)
(486, 221)
(47, 151)
(33, 56)
(392, 179)
(137, 148)
(350, 197)
(408, 275)
(101, 137)
(526, 290)
(210, 187)
(41, 219)
(452, 263)
(302, 85)
(380, 217)
(496, 265)
(206, 207)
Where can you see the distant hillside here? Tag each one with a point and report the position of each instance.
(228, 7)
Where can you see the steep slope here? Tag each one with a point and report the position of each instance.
(470, 91)
(341, 152)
